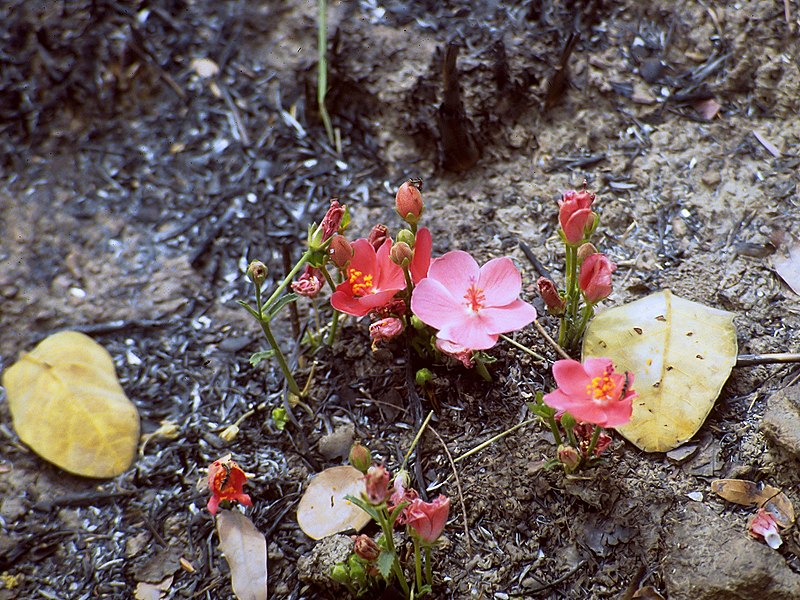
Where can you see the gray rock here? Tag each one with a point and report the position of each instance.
(781, 422)
(710, 557)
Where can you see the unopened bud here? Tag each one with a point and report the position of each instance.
(377, 236)
(407, 237)
(423, 376)
(257, 271)
(408, 201)
(401, 254)
(360, 457)
(366, 548)
(376, 482)
(569, 457)
(552, 299)
(340, 251)
(585, 251)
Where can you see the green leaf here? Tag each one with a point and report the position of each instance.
(280, 418)
(272, 309)
(385, 562)
(257, 357)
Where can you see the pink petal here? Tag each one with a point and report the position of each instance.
(468, 332)
(571, 377)
(433, 304)
(388, 275)
(596, 367)
(512, 317)
(346, 303)
(500, 281)
(617, 413)
(364, 258)
(582, 409)
(422, 255)
(213, 504)
(456, 271)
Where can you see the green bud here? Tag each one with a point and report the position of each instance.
(423, 376)
(407, 237)
(360, 457)
(340, 574)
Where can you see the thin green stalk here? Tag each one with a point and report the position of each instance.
(523, 348)
(428, 567)
(593, 442)
(492, 440)
(418, 563)
(416, 440)
(334, 327)
(322, 67)
(287, 373)
(303, 260)
(328, 278)
(554, 428)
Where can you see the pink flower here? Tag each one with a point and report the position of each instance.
(376, 482)
(402, 493)
(427, 519)
(764, 526)
(226, 480)
(332, 219)
(423, 245)
(575, 214)
(595, 277)
(461, 354)
(592, 392)
(309, 283)
(385, 330)
(372, 280)
(471, 306)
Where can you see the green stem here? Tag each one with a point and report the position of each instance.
(418, 563)
(428, 567)
(593, 442)
(328, 278)
(490, 441)
(334, 327)
(554, 428)
(287, 373)
(523, 348)
(287, 279)
(416, 440)
(386, 526)
(577, 334)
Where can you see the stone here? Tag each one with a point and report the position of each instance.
(709, 556)
(781, 422)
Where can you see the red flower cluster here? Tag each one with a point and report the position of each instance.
(226, 480)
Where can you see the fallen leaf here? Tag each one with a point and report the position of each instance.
(788, 267)
(245, 549)
(680, 352)
(708, 108)
(152, 591)
(68, 406)
(323, 509)
(749, 493)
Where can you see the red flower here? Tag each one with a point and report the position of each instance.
(575, 214)
(595, 277)
(764, 526)
(592, 392)
(225, 480)
(427, 519)
(372, 280)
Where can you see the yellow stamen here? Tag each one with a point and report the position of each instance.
(360, 284)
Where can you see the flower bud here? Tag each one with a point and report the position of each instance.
(552, 299)
(360, 457)
(585, 251)
(340, 251)
(376, 482)
(332, 220)
(407, 237)
(423, 376)
(377, 236)
(401, 254)
(257, 272)
(575, 215)
(309, 283)
(385, 330)
(408, 201)
(569, 457)
(229, 433)
(366, 548)
(595, 277)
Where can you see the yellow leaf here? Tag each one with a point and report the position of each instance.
(323, 509)
(68, 406)
(680, 352)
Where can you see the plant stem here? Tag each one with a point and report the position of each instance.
(523, 348)
(593, 442)
(418, 563)
(416, 440)
(287, 373)
(334, 327)
(554, 428)
(428, 567)
(287, 279)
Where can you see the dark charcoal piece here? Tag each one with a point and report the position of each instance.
(460, 150)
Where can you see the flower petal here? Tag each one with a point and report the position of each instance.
(433, 304)
(500, 281)
(364, 258)
(468, 332)
(503, 319)
(456, 271)
(595, 367)
(422, 255)
(387, 275)
(571, 377)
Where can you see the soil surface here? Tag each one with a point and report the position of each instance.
(135, 190)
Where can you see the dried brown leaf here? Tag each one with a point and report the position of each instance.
(245, 549)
